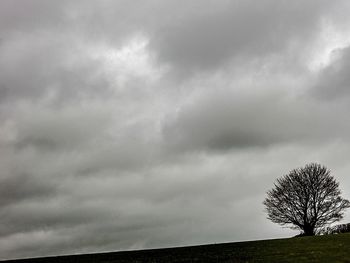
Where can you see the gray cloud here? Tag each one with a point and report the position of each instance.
(16, 188)
(238, 29)
(37, 66)
(17, 16)
(129, 125)
(333, 81)
(228, 120)
(55, 129)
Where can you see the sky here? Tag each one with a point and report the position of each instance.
(144, 124)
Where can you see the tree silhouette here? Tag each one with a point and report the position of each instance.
(307, 198)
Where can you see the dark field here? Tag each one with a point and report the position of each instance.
(331, 248)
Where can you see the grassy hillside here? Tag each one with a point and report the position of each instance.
(332, 248)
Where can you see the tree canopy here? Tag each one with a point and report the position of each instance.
(308, 198)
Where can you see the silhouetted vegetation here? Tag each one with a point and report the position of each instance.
(343, 228)
(307, 198)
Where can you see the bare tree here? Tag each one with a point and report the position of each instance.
(307, 198)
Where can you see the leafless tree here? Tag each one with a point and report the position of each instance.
(307, 198)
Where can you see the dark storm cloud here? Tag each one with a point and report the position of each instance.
(103, 147)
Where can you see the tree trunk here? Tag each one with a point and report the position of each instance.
(309, 230)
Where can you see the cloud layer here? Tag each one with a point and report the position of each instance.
(129, 125)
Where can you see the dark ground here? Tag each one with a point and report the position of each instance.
(331, 248)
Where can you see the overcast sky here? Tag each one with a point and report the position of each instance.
(143, 124)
